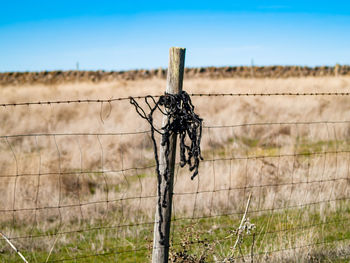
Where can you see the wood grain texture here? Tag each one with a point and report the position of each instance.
(174, 86)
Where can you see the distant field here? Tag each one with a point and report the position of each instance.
(291, 163)
(64, 77)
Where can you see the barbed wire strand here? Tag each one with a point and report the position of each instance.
(99, 101)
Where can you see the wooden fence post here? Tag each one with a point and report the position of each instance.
(160, 252)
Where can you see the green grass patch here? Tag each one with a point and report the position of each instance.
(207, 238)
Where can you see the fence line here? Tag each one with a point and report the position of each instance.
(148, 131)
(91, 101)
(318, 166)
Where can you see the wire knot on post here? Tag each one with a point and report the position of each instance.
(182, 121)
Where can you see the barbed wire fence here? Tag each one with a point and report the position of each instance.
(265, 191)
(53, 102)
(296, 172)
(285, 178)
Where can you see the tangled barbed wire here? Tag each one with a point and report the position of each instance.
(181, 120)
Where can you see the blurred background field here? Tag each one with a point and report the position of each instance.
(78, 180)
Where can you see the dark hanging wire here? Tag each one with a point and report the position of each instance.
(182, 121)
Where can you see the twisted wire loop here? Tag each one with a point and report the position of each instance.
(182, 121)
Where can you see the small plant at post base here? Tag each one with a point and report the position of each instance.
(188, 241)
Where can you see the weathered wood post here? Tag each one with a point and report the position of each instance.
(174, 86)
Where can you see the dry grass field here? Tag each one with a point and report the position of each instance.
(91, 165)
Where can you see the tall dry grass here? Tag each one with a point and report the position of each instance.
(57, 173)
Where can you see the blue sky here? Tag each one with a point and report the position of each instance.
(121, 35)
